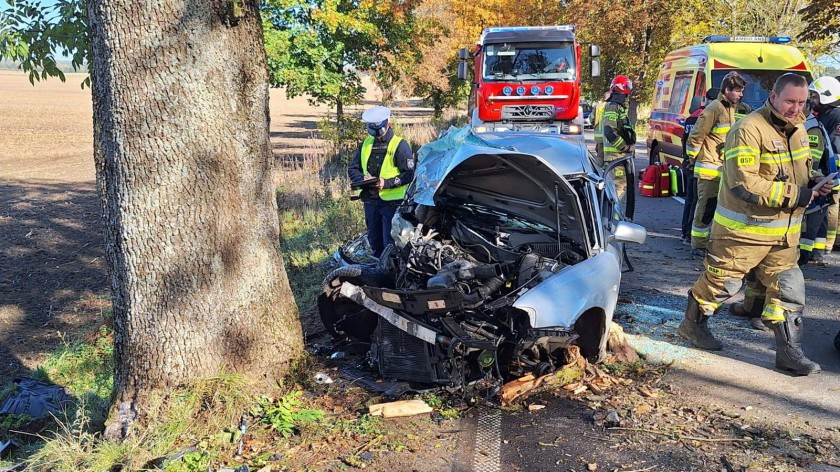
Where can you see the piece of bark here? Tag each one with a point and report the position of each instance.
(400, 408)
(620, 346)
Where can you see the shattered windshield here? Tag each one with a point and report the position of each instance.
(529, 61)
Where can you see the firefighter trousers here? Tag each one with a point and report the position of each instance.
(704, 212)
(831, 233)
(813, 237)
(755, 293)
(774, 267)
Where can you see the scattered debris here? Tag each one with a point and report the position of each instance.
(36, 399)
(322, 379)
(620, 347)
(534, 407)
(400, 408)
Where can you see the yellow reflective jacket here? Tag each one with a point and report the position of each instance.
(705, 143)
(764, 190)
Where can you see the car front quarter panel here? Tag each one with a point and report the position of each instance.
(565, 296)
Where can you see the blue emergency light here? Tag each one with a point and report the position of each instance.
(535, 90)
(507, 90)
(520, 90)
(549, 89)
(747, 39)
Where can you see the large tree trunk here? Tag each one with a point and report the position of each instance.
(185, 175)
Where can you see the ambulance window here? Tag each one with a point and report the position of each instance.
(700, 85)
(679, 93)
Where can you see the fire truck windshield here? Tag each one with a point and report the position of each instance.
(529, 61)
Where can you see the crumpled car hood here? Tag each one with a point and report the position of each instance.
(512, 179)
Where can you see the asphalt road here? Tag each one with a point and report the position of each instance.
(741, 378)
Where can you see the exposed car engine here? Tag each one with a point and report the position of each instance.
(453, 278)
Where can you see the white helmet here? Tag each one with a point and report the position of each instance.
(828, 89)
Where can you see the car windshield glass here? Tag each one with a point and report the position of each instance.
(529, 61)
(759, 83)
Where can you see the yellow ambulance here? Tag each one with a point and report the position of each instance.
(687, 73)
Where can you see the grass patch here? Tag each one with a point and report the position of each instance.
(86, 369)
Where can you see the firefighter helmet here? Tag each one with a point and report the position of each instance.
(828, 89)
(621, 84)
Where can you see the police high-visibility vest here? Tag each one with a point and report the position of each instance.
(389, 168)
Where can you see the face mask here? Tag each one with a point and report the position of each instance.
(377, 130)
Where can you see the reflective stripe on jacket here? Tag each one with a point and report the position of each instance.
(764, 190)
(705, 143)
(611, 127)
(389, 168)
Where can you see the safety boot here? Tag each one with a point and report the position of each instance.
(694, 327)
(789, 355)
(754, 314)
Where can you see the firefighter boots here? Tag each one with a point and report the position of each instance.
(694, 327)
(789, 355)
(754, 314)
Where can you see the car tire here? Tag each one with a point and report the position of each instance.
(343, 318)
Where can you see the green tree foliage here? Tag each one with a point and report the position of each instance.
(31, 32)
(318, 48)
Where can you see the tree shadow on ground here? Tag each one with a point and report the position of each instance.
(53, 276)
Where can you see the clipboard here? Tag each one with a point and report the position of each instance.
(367, 183)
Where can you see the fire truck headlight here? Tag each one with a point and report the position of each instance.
(507, 90)
(520, 90)
(535, 90)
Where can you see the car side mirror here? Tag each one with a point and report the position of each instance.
(628, 232)
(463, 54)
(594, 50)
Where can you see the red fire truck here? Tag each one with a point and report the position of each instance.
(527, 78)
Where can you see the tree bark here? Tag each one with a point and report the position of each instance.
(185, 175)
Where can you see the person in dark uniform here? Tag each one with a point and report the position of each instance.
(384, 163)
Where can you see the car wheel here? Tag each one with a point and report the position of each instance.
(654, 155)
(343, 318)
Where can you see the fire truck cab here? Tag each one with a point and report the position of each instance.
(526, 78)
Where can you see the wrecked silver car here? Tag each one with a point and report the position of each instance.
(508, 249)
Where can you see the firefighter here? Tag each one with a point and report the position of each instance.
(827, 111)
(389, 160)
(705, 153)
(617, 133)
(763, 195)
(688, 167)
(814, 233)
(597, 113)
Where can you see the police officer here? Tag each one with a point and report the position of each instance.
(705, 152)
(389, 160)
(763, 195)
(617, 133)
